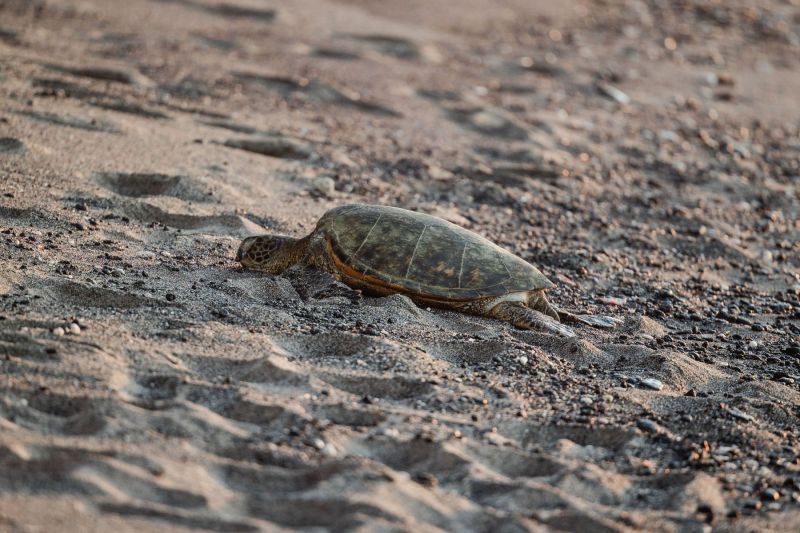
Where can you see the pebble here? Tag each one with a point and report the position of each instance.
(711, 79)
(613, 93)
(59, 331)
(523, 360)
(318, 443)
(741, 415)
(613, 300)
(652, 383)
(74, 329)
(323, 185)
(752, 344)
(753, 504)
(587, 400)
(771, 494)
(645, 424)
(329, 450)
(391, 432)
(668, 136)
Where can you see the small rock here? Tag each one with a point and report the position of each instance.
(323, 186)
(726, 79)
(613, 93)
(318, 443)
(741, 415)
(752, 345)
(652, 383)
(770, 494)
(613, 300)
(647, 425)
(426, 479)
(523, 360)
(753, 504)
(391, 432)
(668, 136)
(711, 79)
(74, 329)
(59, 331)
(329, 450)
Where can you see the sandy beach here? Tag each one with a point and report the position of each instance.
(643, 154)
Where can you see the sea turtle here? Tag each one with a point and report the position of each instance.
(387, 250)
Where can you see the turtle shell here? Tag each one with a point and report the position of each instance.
(395, 250)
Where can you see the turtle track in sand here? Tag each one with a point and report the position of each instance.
(240, 400)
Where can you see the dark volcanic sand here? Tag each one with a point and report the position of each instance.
(644, 154)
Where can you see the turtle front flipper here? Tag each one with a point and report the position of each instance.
(524, 317)
(597, 321)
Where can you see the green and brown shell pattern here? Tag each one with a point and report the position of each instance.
(423, 255)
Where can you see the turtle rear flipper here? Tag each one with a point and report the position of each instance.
(597, 321)
(524, 317)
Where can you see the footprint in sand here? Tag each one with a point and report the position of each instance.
(335, 54)
(116, 75)
(47, 87)
(219, 224)
(439, 95)
(63, 414)
(227, 45)
(233, 126)
(9, 37)
(379, 386)
(273, 146)
(315, 91)
(9, 146)
(227, 10)
(71, 121)
(30, 217)
(141, 184)
(487, 122)
(121, 106)
(59, 293)
(188, 520)
(347, 415)
(388, 45)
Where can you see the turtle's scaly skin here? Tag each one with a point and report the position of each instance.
(386, 250)
(395, 250)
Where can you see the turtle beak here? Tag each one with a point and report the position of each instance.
(242, 251)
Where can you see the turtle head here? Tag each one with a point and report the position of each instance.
(269, 253)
